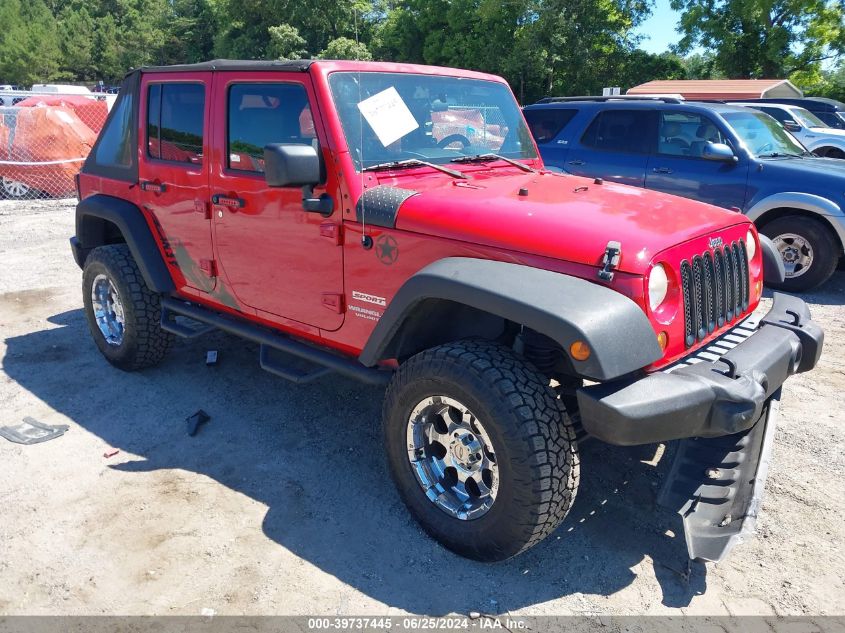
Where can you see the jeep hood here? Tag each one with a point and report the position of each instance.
(561, 216)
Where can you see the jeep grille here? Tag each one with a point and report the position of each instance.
(715, 290)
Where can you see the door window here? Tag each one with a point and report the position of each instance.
(546, 124)
(620, 131)
(781, 116)
(260, 114)
(686, 134)
(175, 119)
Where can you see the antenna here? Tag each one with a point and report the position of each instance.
(364, 240)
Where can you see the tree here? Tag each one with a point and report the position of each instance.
(29, 47)
(763, 38)
(76, 42)
(345, 48)
(286, 43)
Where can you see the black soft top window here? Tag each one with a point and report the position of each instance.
(546, 124)
(114, 154)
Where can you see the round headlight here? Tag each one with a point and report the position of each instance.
(750, 245)
(658, 286)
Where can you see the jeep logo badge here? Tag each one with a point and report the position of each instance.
(715, 242)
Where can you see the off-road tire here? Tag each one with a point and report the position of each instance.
(534, 442)
(144, 343)
(822, 241)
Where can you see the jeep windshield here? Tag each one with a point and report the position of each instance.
(763, 136)
(406, 119)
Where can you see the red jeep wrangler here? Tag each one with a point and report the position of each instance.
(394, 223)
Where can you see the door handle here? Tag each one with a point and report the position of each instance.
(577, 163)
(155, 186)
(662, 170)
(228, 201)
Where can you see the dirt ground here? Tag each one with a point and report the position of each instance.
(282, 503)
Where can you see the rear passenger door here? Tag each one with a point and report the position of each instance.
(615, 146)
(677, 166)
(173, 173)
(547, 126)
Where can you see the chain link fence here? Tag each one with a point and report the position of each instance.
(44, 139)
(483, 126)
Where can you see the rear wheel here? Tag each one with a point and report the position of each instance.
(16, 188)
(808, 249)
(480, 448)
(123, 314)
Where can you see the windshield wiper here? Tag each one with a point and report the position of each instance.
(480, 158)
(781, 155)
(414, 162)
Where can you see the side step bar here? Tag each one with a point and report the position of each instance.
(269, 341)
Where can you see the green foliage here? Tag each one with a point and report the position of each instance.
(29, 42)
(764, 38)
(561, 47)
(345, 48)
(286, 43)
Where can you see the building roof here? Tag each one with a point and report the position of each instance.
(720, 88)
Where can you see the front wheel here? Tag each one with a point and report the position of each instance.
(808, 249)
(480, 448)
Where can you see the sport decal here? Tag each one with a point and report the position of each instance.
(367, 298)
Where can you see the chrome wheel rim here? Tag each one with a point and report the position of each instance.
(796, 252)
(452, 458)
(15, 188)
(108, 310)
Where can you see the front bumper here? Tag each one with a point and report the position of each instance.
(720, 390)
(724, 401)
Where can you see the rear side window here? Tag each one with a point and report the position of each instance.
(620, 131)
(175, 119)
(115, 144)
(546, 124)
(260, 114)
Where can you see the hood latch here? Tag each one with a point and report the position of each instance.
(610, 260)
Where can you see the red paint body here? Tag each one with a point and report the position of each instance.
(281, 266)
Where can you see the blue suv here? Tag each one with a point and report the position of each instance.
(729, 156)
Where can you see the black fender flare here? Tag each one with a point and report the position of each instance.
(563, 307)
(774, 270)
(130, 221)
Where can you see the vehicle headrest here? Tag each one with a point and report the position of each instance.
(670, 129)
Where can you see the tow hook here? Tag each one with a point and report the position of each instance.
(610, 260)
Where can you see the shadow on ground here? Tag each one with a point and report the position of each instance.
(313, 455)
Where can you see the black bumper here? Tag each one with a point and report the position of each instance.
(708, 399)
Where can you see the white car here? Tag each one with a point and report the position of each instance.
(64, 89)
(806, 127)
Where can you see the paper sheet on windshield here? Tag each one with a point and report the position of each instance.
(388, 115)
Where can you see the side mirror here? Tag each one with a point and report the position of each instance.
(791, 126)
(291, 165)
(718, 152)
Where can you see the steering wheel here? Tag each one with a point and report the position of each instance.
(763, 148)
(453, 138)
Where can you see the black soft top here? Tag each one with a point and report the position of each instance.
(295, 65)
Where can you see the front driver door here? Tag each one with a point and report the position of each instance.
(677, 166)
(278, 259)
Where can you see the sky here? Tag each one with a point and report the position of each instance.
(659, 29)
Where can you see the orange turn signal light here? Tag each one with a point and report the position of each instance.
(579, 350)
(662, 340)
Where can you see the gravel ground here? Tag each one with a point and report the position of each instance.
(282, 504)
